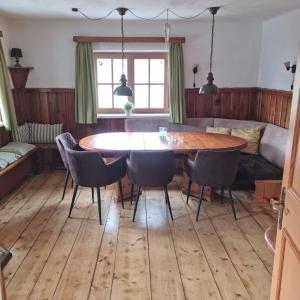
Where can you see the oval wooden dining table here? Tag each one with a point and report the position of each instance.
(121, 143)
(190, 142)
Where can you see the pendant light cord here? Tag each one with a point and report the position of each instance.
(212, 43)
(122, 33)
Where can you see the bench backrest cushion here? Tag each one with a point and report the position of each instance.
(21, 134)
(44, 133)
(228, 123)
(200, 123)
(273, 144)
(145, 125)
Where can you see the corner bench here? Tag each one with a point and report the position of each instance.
(15, 173)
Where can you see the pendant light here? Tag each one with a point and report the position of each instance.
(123, 89)
(210, 88)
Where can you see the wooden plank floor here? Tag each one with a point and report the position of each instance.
(153, 258)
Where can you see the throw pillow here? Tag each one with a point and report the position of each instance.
(251, 135)
(44, 133)
(220, 130)
(21, 134)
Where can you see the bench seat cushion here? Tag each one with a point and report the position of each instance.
(3, 163)
(255, 167)
(18, 148)
(9, 157)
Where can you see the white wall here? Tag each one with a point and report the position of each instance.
(280, 42)
(47, 46)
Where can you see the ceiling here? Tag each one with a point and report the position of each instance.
(231, 9)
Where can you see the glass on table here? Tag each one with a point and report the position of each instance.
(163, 132)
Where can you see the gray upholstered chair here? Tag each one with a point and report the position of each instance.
(216, 169)
(66, 141)
(5, 256)
(88, 169)
(151, 169)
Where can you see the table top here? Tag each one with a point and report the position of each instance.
(116, 142)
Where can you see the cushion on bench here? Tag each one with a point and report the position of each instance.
(273, 144)
(21, 134)
(255, 167)
(229, 123)
(18, 148)
(9, 157)
(3, 163)
(44, 133)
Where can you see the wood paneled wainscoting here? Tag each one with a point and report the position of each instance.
(4, 136)
(265, 105)
(57, 106)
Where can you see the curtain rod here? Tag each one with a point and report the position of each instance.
(114, 39)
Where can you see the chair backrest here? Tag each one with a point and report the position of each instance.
(90, 170)
(65, 141)
(216, 168)
(151, 168)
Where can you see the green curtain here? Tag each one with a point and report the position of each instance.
(7, 107)
(85, 84)
(176, 83)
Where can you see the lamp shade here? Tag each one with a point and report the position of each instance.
(16, 52)
(209, 88)
(123, 89)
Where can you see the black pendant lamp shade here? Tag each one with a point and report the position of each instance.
(123, 89)
(210, 88)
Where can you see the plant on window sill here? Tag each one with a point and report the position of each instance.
(128, 107)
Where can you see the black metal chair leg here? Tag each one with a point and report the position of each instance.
(93, 199)
(131, 193)
(99, 204)
(200, 201)
(73, 199)
(168, 201)
(65, 184)
(232, 203)
(121, 192)
(188, 191)
(136, 203)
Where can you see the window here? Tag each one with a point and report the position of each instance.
(146, 74)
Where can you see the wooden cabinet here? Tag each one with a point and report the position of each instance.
(19, 76)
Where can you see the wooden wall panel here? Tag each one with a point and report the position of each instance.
(57, 106)
(271, 106)
(4, 136)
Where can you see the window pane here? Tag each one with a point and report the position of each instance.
(141, 96)
(117, 69)
(141, 70)
(156, 96)
(104, 70)
(119, 101)
(157, 70)
(104, 96)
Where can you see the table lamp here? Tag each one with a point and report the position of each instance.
(16, 53)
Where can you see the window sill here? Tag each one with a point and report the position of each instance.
(132, 116)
